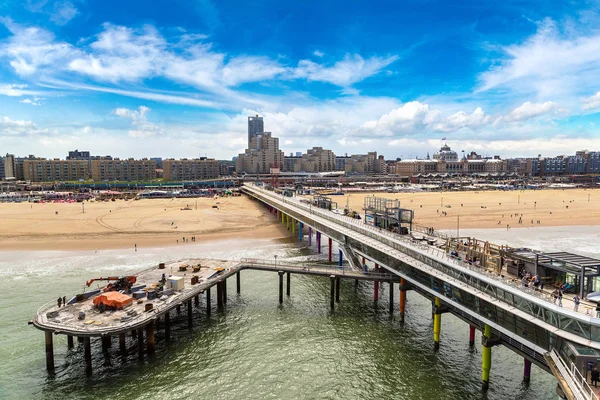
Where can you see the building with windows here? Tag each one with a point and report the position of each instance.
(78, 155)
(190, 169)
(42, 170)
(255, 127)
(123, 170)
(262, 155)
(9, 166)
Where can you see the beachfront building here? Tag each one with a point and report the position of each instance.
(9, 166)
(78, 155)
(2, 171)
(190, 169)
(123, 170)
(368, 163)
(262, 155)
(340, 162)
(255, 127)
(316, 159)
(289, 162)
(42, 170)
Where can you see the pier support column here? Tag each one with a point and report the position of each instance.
(87, 351)
(280, 287)
(526, 370)
(208, 303)
(168, 325)
(376, 285)
(330, 248)
(219, 295)
(150, 337)
(224, 291)
(238, 282)
(140, 336)
(289, 283)
(69, 341)
(318, 242)
(471, 336)
(134, 334)
(309, 236)
(337, 290)
(122, 343)
(332, 292)
(178, 308)
(402, 299)
(196, 300)
(300, 231)
(391, 298)
(189, 312)
(49, 351)
(341, 259)
(106, 343)
(282, 218)
(437, 324)
(79, 339)
(293, 226)
(486, 358)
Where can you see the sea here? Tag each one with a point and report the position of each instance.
(256, 348)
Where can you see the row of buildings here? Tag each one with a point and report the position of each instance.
(103, 169)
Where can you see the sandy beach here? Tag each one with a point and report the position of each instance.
(494, 209)
(125, 224)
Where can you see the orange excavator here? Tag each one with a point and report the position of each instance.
(121, 283)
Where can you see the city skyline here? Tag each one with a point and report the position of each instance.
(514, 80)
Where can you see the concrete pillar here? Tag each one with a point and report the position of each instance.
(437, 324)
(224, 291)
(289, 282)
(106, 343)
(300, 231)
(49, 351)
(486, 359)
(391, 298)
(122, 343)
(332, 292)
(197, 300)
(341, 258)
(318, 242)
(208, 303)
(402, 299)
(471, 336)
(134, 334)
(238, 282)
(189, 312)
(376, 291)
(69, 341)
(309, 236)
(280, 287)
(150, 336)
(337, 290)
(219, 295)
(79, 339)
(526, 370)
(282, 218)
(178, 308)
(330, 248)
(87, 351)
(168, 325)
(140, 336)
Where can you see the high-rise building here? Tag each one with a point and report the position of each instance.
(2, 172)
(9, 166)
(255, 127)
(188, 170)
(262, 155)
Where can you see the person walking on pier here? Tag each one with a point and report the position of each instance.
(555, 295)
(576, 301)
(560, 296)
(59, 301)
(595, 374)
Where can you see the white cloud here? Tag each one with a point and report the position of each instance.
(318, 53)
(592, 102)
(461, 119)
(12, 90)
(139, 121)
(63, 12)
(9, 127)
(33, 102)
(529, 110)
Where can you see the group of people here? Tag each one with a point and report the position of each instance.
(62, 301)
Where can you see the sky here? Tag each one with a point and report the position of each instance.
(179, 78)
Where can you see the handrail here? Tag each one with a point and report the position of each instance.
(573, 378)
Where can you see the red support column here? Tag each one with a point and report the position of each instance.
(330, 248)
(471, 335)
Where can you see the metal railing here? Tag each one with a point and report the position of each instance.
(573, 378)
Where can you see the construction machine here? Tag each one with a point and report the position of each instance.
(121, 283)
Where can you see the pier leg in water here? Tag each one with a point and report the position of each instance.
(134, 334)
(224, 286)
(402, 298)
(287, 288)
(79, 339)
(140, 336)
(49, 352)
(300, 231)
(293, 226)
(376, 285)
(332, 292)
(391, 298)
(122, 343)
(87, 351)
(196, 300)
(486, 359)
(341, 259)
(178, 308)
(318, 242)
(337, 290)
(280, 287)
(189, 312)
(282, 218)
(471, 336)
(168, 325)
(219, 295)
(309, 236)
(69, 341)
(106, 343)
(238, 282)
(150, 337)
(330, 248)
(526, 370)
(437, 324)
(208, 304)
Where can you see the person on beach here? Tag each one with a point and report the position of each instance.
(576, 301)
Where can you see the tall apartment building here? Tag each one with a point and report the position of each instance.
(2, 171)
(262, 155)
(123, 170)
(42, 170)
(194, 169)
(9, 166)
(255, 127)
(289, 162)
(364, 164)
(340, 162)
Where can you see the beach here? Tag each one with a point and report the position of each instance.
(493, 209)
(132, 224)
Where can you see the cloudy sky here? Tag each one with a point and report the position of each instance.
(178, 78)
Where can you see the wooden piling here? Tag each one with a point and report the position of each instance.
(140, 337)
(238, 282)
(208, 303)
(287, 289)
(332, 292)
(49, 352)
(150, 337)
(337, 289)
(280, 287)
(219, 295)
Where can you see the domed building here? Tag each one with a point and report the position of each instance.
(445, 154)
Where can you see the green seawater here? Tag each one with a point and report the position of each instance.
(255, 348)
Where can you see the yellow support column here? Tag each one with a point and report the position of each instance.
(486, 359)
(282, 218)
(437, 324)
(293, 226)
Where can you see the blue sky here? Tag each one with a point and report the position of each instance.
(178, 78)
